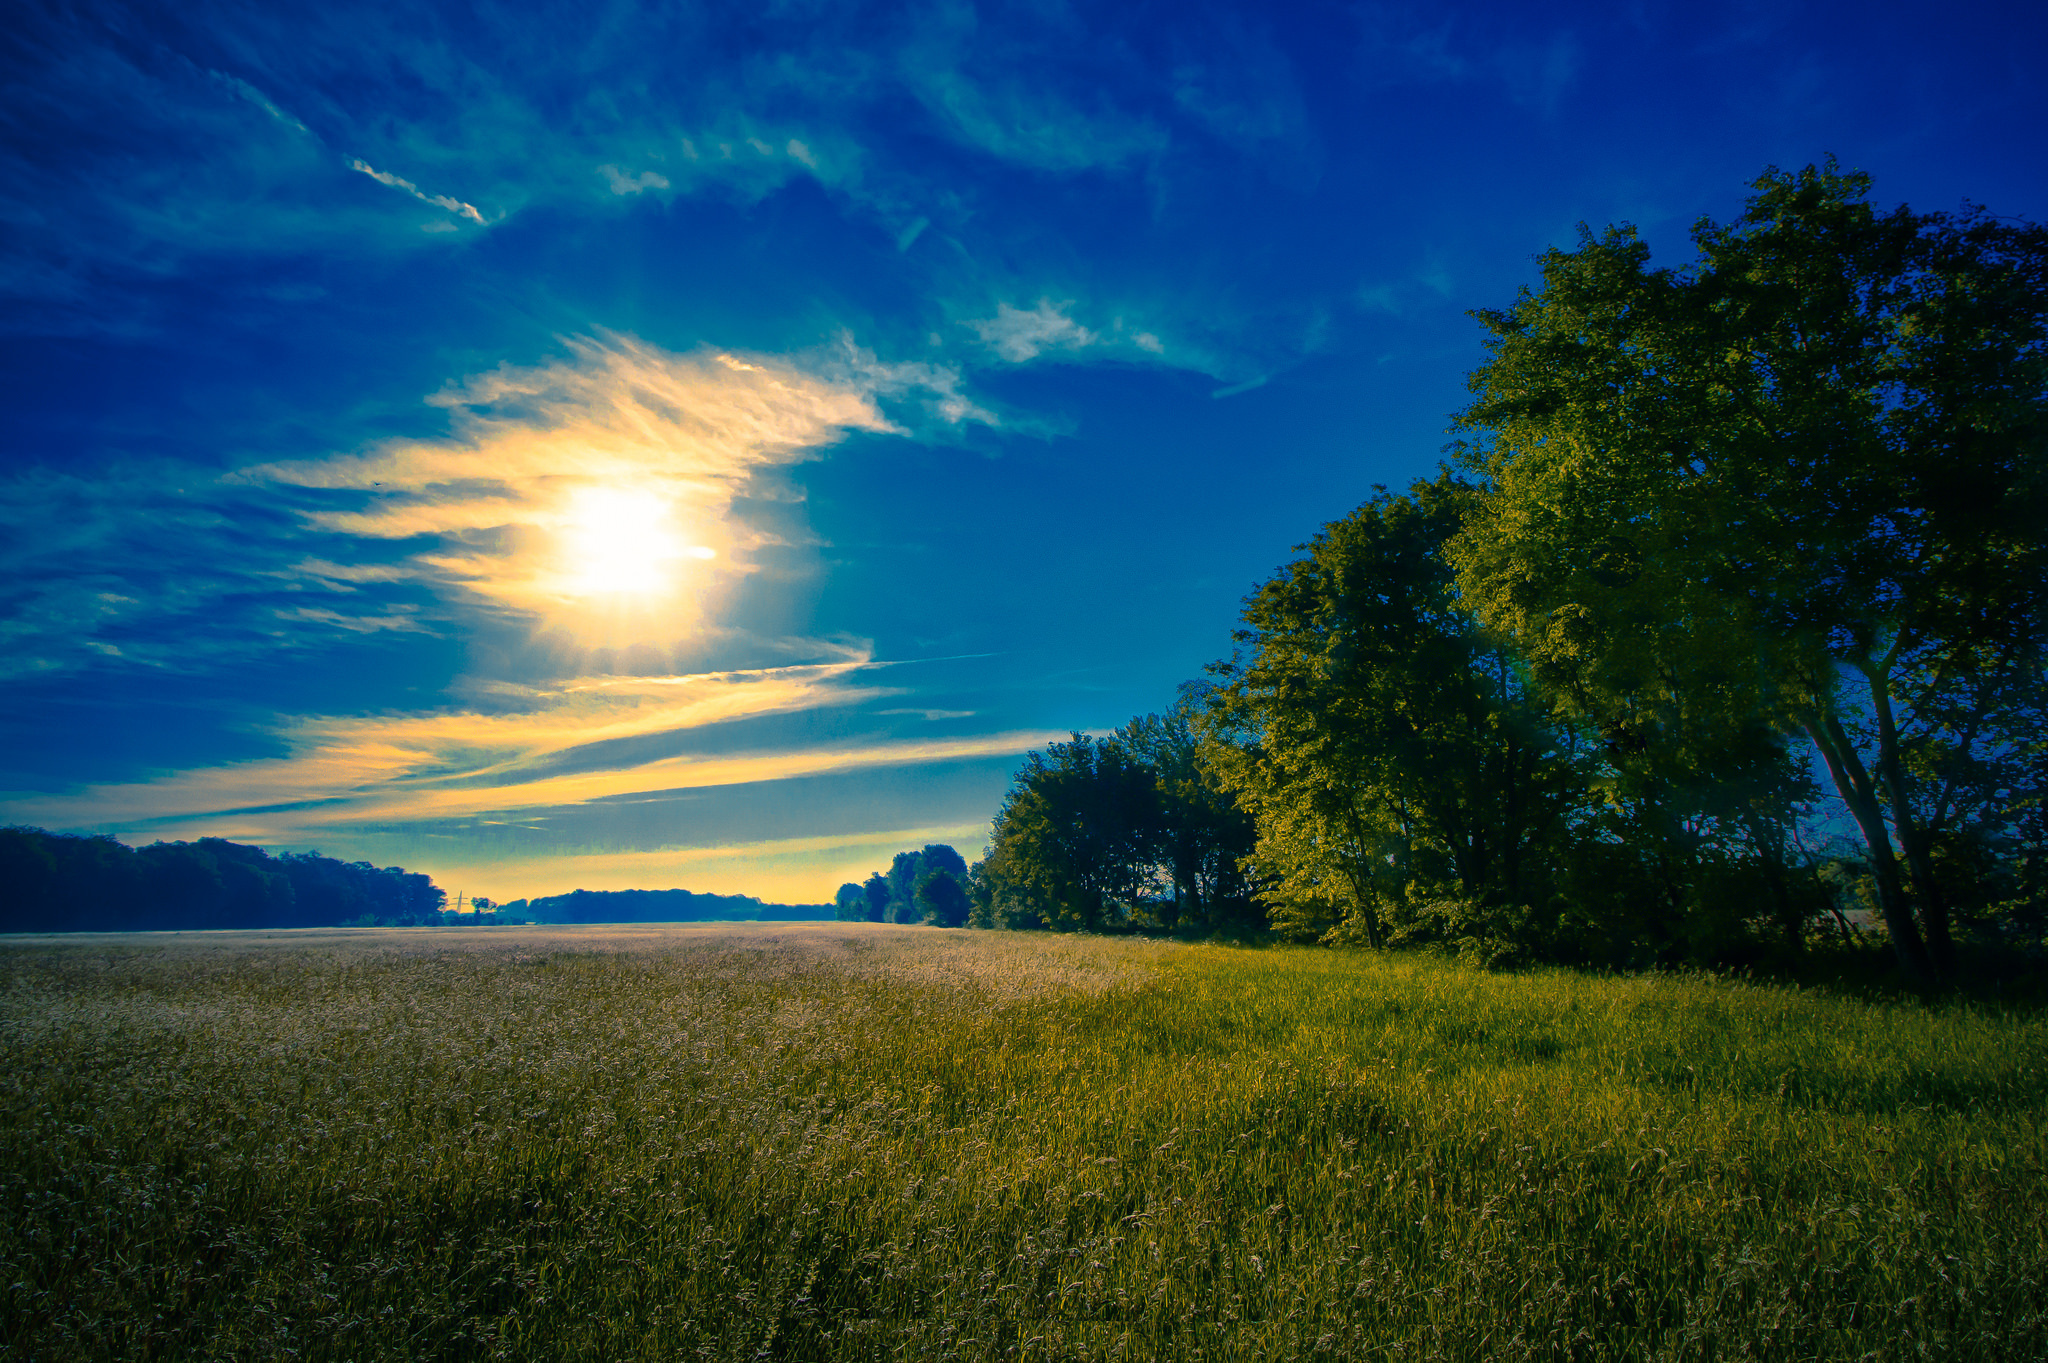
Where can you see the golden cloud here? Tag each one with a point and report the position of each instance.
(353, 771)
(597, 491)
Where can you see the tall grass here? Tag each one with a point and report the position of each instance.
(866, 1142)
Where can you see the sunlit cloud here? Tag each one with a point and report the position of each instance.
(594, 493)
(592, 496)
(531, 748)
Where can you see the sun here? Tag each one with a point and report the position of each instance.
(623, 543)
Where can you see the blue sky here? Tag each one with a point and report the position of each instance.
(633, 445)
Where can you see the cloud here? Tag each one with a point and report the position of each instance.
(937, 386)
(1234, 389)
(162, 565)
(623, 183)
(259, 99)
(1017, 335)
(1533, 71)
(595, 738)
(594, 489)
(598, 493)
(244, 138)
(1031, 123)
(455, 206)
(1233, 82)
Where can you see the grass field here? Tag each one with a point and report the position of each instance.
(846, 1141)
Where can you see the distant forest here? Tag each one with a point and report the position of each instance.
(58, 882)
(654, 906)
(55, 882)
(1720, 634)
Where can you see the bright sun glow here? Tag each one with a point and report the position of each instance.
(623, 542)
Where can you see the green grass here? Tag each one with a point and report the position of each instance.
(855, 1142)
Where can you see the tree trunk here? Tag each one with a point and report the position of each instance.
(1933, 905)
(1855, 787)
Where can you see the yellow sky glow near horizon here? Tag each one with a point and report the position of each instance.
(778, 871)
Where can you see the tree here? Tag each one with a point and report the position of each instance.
(940, 894)
(1069, 848)
(1384, 746)
(876, 892)
(981, 897)
(852, 903)
(1796, 483)
(1198, 836)
(903, 875)
(59, 882)
(942, 899)
(938, 856)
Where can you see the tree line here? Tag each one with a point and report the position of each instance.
(651, 906)
(1722, 627)
(57, 882)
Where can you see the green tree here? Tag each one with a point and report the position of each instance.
(903, 875)
(852, 903)
(938, 856)
(876, 892)
(981, 897)
(942, 898)
(1070, 847)
(1795, 483)
(1198, 837)
(1384, 747)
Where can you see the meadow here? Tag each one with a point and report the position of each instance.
(853, 1141)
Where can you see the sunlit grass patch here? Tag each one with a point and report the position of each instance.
(853, 1141)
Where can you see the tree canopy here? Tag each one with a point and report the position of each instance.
(1795, 483)
(1133, 829)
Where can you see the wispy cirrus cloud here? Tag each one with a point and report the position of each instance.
(162, 566)
(1533, 69)
(1019, 335)
(589, 739)
(383, 177)
(253, 135)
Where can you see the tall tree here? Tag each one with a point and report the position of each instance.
(1386, 748)
(1198, 836)
(903, 875)
(942, 898)
(1070, 847)
(1797, 481)
(876, 891)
